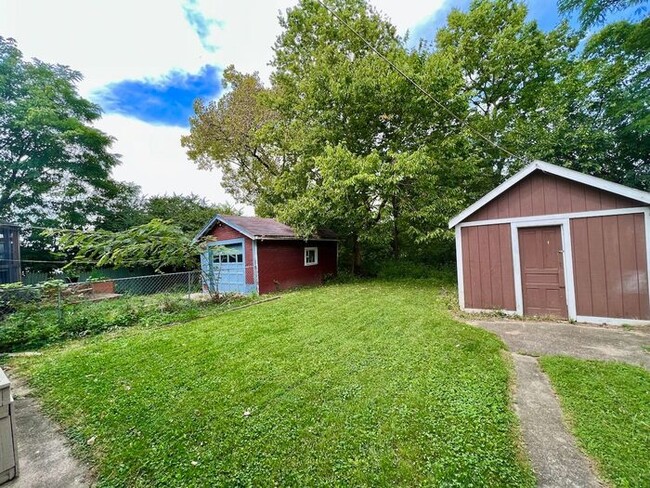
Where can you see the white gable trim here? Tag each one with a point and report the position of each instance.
(211, 224)
(569, 174)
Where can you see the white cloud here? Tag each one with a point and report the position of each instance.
(407, 14)
(248, 28)
(113, 40)
(153, 158)
(246, 33)
(106, 40)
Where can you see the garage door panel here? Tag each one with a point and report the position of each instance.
(228, 269)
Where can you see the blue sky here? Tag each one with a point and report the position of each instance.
(146, 61)
(167, 100)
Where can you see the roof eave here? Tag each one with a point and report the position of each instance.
(291, 238)
(560, 171)
(255, 237)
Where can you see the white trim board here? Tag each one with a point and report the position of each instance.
(610, 320)
(569, 174)
(567, 258)
(459, 268)
(256, 272)
(543, 218)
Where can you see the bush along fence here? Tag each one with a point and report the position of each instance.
(58, 293)
(35, 316)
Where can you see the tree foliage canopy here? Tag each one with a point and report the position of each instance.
(157, 244)
(187, 212)
(52, 160)
(594, 12)
(340, 139)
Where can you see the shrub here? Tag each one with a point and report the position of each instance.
(33, 326)
(15, 295)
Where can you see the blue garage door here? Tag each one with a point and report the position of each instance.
(226, 268)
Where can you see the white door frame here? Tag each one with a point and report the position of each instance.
(567, 258)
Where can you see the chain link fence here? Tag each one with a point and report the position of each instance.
(58, 293)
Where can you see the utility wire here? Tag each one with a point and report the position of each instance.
(416, 84)
(58, 229)
(2, 261)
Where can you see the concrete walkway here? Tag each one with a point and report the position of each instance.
(554, 454)
(556, 459)
(43, 452)
(580, 341)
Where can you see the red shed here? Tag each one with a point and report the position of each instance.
(552, 241)
(259, 255)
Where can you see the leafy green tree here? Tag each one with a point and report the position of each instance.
(540, 97)
(332, 90)
(125, 211)
(52, 160)
(157, 244)
(616, 66)
(188, 212)
(349, 197)
(506, 61)
(230, 135)
(593, 12)
(340, 139)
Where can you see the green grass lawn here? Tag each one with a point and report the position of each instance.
(608, 406)
(362, 384)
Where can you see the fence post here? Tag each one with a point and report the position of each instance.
(189, 285)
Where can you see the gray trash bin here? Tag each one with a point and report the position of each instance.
(8, 455)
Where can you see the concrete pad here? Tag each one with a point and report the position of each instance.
(44, 456)
(580, 341)
(557, 461)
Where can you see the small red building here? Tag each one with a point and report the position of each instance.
(552, 241)
(260, 255)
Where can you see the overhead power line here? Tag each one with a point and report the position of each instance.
(416, 84)
(43, 261)
(24, 227)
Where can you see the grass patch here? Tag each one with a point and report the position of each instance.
(36, 325)
(608, 406)
(360, 384)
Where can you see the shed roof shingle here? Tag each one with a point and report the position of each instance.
(260, 228)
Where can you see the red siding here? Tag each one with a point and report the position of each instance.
(609, 266)
(543, 194)
(488, 278)
(281, 264)
(223, 232)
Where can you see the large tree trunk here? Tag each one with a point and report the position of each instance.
(396, 211)
(356, 255)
